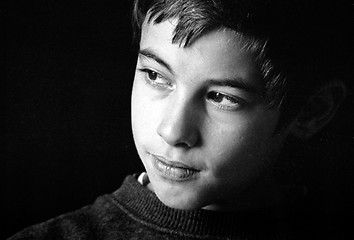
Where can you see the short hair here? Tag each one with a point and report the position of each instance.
(298, 44)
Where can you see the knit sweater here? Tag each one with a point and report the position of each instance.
(134, 212)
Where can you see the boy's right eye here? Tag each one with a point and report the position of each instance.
(152, 75)
(155, 79)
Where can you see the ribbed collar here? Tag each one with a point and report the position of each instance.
(142, 205)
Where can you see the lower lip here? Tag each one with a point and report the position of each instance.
(173, 172)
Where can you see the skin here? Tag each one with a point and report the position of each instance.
(200, 107)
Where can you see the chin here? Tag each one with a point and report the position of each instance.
(182, 199)
(181, 204)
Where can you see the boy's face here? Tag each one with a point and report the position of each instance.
(200, 126)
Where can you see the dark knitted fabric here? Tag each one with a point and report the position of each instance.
(134, 212)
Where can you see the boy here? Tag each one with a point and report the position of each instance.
(219, 87)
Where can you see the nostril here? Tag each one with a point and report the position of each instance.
(182, 145)
(178, 134)
(179, 125)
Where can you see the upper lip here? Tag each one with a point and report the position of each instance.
(173, 163)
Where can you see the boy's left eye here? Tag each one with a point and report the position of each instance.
(224, 101)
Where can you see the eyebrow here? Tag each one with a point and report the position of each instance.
(233, 82)
(149, 53)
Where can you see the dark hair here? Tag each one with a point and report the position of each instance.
(299, 44)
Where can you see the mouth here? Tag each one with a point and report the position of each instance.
(173, 170)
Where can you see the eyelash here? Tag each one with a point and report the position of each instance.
(154, 83)
(236, 102)
(216, 97)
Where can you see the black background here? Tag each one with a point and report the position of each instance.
(69, 71)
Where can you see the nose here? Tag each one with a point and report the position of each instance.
(179, 125)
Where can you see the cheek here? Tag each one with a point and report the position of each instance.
(245, 147)
(138, 111)
(144, 115)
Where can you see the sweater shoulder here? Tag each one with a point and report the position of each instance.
(83, 223)
(72, 225)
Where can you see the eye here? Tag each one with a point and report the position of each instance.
(152, 75)
(224, 101)
(155, 79)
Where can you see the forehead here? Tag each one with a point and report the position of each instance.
(216, 54)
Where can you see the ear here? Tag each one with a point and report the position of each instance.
(319, 110)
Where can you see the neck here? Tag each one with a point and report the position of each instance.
(262, 194)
